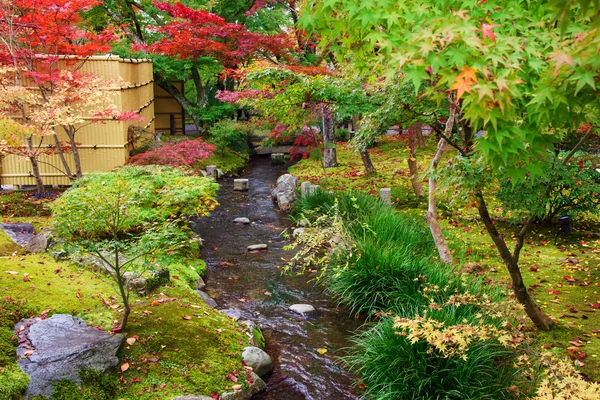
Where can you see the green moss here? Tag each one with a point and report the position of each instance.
(13, 382)
(259, 339)
(44, 283)
(8, 247)
(174, 355)
(94, 385)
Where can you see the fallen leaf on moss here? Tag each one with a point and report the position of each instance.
(124, 367)
(187, 317)
(130, 341)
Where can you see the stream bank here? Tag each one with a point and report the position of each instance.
(252, 283)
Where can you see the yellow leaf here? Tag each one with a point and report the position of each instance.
(321, 351)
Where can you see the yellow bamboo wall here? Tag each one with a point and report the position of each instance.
(164, 106)
(103, 145)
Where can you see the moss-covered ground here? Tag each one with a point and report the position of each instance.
(564, 278)
(176, 344)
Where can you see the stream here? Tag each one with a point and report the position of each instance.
(253, 284)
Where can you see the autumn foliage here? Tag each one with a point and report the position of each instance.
(175, 154)
(191, 34)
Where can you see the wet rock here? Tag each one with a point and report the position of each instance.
(288, 386)
(233, 313)
(59, 347)
(298, 232)
(285, 192)
(207, 299)
(241, 220)
(241, 184)
(257, 385)
(302, 308)
(37, 244)
(256, 247)
(258, 360)
(199, 284)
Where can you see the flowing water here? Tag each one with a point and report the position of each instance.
(253, 284)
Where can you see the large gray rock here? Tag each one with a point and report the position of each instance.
(256, 386)
(37, 244)
(59, 347)
(20, 232)
(207, 299)
(285, 192)
(233, 313)
(258, 360)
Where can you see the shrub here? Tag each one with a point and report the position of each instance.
(186, 153)
(575, 188)
(127, 217)
(391, 367)
(231, 135)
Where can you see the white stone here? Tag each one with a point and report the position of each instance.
(258, 360)
(241, 220)
(240, 184)
(302, 308)
(255, 247)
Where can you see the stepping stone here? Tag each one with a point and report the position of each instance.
(241, 220)
(302, 308)
(256, 247)
(240, 184)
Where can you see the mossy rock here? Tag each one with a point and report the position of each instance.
(8, 247)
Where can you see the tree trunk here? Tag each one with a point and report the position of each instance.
(431, 216)
(75, 150)
(413, 166)
(329, 153)
(366, 159)
(35, 166)
(535, 313)
(200, 91)
(180, 97)
(61, 155)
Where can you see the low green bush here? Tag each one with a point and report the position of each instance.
(228, 134)
(391, 367)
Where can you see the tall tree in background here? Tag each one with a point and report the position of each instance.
(190, 42)
(506, 63)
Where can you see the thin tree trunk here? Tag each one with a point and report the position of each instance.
(61, 155)
(366, 159)
(413, 166)
(535, 313)
(200, 91)
(431, 216)
(180, 97)
(75, 150)
(329, 153)
(35, 166)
